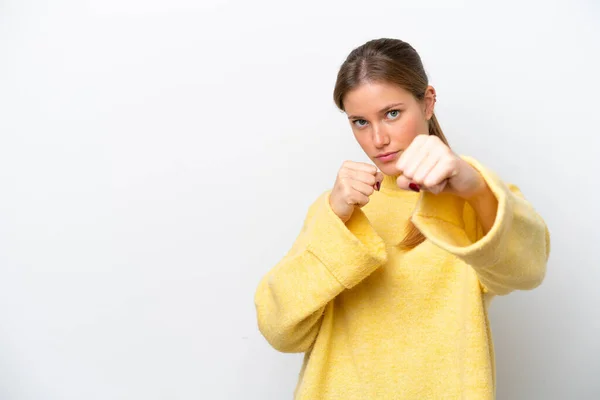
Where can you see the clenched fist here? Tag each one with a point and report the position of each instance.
(429, 164)
(354, 184)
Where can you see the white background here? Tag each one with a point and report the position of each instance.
(158, 157)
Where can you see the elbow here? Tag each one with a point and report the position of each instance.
(532, 280)
(536, 271)
(531, 276)
(533, 273)
(535, 276)
(274, 334)
(287, 336)
(286, 344)
(526, 277)
(287, 339)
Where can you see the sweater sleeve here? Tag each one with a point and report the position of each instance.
(511, 256)
(327, 257)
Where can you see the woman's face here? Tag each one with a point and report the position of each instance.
(385, 118)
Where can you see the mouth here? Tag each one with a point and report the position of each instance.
(386, 157)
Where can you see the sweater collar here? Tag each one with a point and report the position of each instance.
(388, 185)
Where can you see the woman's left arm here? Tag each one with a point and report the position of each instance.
(470, 212)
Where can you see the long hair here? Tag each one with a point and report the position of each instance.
(392, 61)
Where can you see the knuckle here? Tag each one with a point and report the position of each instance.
(349, 194)
(448, 162)
(345, 191)
(429, 182)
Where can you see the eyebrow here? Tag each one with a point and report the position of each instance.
(384, 109)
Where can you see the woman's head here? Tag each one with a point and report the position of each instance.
(383, 88)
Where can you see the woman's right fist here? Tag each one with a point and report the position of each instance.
(354, 184)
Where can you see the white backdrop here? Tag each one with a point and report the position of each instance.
(158, 157)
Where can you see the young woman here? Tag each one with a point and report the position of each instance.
(387, 287)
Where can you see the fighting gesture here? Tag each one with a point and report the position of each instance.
(354, 184)
(430, 165)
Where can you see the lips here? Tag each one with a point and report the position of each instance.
(387, 157)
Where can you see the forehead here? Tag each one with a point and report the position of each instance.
(371, 97)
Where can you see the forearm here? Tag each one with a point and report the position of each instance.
(327, 258)
(502, 237)
(485, 205)
(290, 301)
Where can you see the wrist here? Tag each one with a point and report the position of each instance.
(481, 196)
(481, 190)
(473, 184)
(485, 204)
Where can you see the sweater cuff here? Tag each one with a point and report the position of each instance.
(350, 251)
(429, 218)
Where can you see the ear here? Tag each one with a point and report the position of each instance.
(429, 101)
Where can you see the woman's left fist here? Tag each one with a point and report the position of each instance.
(430, 165)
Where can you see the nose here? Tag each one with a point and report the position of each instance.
(381, 138)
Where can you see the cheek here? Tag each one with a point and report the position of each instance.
(407, 128)
(362, 138)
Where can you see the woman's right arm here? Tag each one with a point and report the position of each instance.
(328, 257)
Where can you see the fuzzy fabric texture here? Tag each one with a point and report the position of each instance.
(376, 321)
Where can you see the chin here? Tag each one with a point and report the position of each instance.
(388, 169)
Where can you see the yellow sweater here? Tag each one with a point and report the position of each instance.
(379, 322)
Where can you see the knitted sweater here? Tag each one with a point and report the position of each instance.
(377, 321)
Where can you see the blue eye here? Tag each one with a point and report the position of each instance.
(393, 114)
(359, 122)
